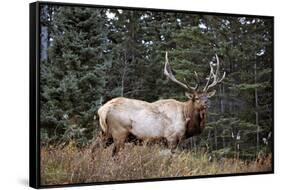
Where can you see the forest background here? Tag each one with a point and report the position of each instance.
(89, 56)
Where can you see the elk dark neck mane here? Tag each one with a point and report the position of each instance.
(197, 117)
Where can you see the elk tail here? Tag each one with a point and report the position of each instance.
(102, 112)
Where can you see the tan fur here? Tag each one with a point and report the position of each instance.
(164, 119)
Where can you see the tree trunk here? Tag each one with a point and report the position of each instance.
(222, 108)
(123, 75)
(256, 108)
(221, 98)
(216, 138)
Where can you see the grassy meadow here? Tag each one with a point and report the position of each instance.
(74, 165)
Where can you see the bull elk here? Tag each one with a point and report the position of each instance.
(169, 119)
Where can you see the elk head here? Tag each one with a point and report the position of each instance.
(200, 98)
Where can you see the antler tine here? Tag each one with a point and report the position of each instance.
(224, 73)
(169, 74)
(210, 76)
(218, 66)
(197, 80)
(215, 76)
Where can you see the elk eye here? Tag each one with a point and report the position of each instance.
(196, 98)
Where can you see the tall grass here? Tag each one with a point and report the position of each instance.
(72, 165)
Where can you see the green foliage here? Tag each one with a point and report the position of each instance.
(95, 55)
(73, 81)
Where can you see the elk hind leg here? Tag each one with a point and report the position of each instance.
(119, 142)
(102, 140)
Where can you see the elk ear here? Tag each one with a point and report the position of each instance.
(212, 93)
(189, 95)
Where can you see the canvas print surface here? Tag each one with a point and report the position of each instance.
(135, 94)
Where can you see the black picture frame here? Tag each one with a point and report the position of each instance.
(34, 95)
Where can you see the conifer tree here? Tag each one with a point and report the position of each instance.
(74, 78)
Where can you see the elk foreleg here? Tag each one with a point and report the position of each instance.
(173, 142)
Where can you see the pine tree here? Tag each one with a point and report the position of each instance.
(73, 80)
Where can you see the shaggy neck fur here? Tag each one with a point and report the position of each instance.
(197, 117)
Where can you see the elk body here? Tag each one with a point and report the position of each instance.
(166, 119)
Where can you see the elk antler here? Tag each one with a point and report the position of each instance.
(169, 74)
(214, 76)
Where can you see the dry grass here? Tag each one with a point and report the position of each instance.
(72, 165)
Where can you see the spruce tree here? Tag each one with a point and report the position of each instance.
(74, 78)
